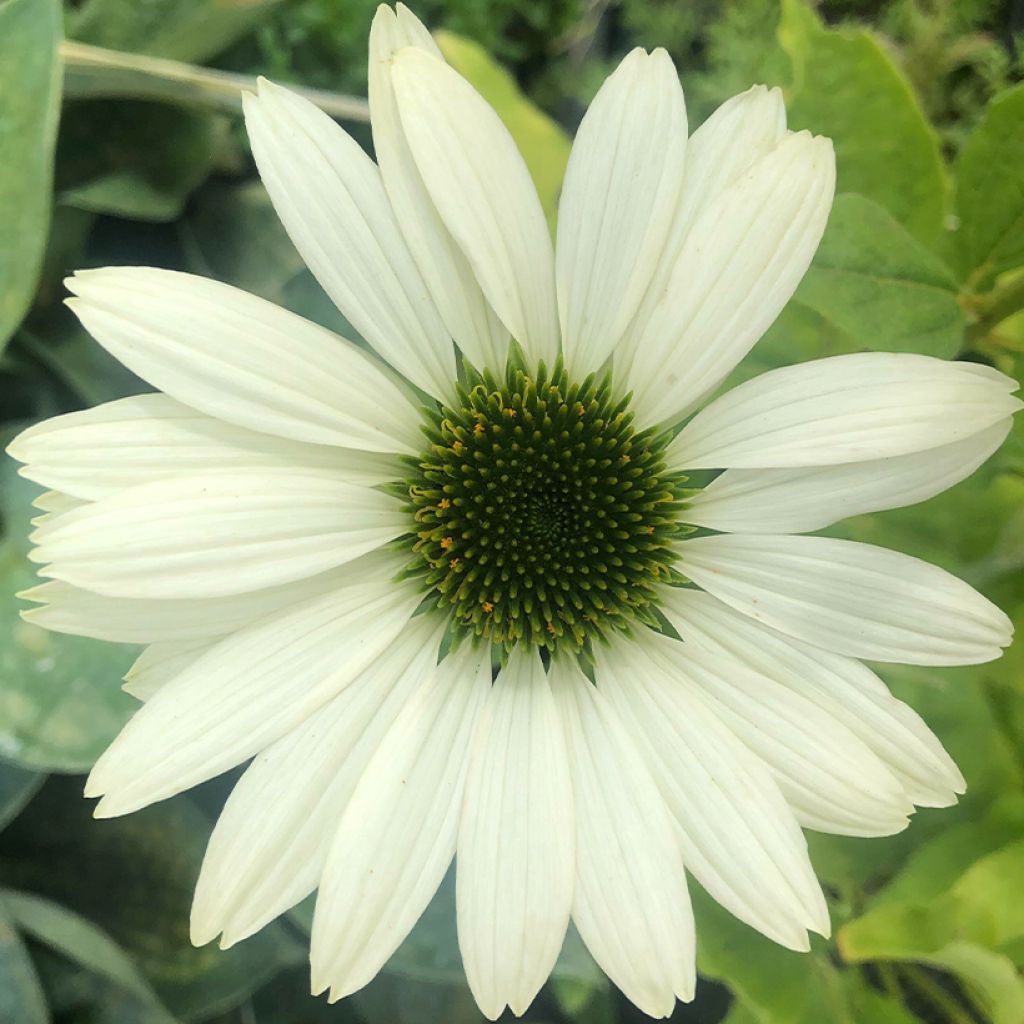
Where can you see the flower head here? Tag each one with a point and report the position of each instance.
(326, 549)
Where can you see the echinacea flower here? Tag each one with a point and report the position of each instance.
(324, 546)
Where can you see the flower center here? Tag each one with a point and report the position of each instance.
(542, 516)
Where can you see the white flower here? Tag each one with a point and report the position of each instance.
(272, 521)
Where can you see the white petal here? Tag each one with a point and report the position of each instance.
(850, 408)
(242, 359)
(483, 192)
(68, 609)
(630, 902)
(136, 440)
(330, 198)
(516, 842)
(397, 835)
(738, 835)
(843, 688)
(246, 692)
(212, 535)
(801, 500)
(50, 501)
(270, 843)
(621, 189)
(740, 263)
(158, 664)
(831, 778)
(446, 272)
(855, 599)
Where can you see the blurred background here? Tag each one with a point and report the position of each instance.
(121, 143)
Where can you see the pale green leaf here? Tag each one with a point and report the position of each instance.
(847, 87)
(17, 787)
(30, 89)
(990, 192)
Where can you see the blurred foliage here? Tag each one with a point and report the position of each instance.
(922, 253)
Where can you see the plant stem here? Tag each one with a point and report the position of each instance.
(1002, 305)
(93, 71)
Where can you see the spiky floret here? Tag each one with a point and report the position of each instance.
(541, 515)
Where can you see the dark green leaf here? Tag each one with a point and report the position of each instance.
(878, 284)
(134, 878)
(21, 997)
(17, 787)
(846, 86)
(990, 192)
(30, 89)
(191, 30)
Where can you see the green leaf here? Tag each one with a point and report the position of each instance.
(542, 142)
(30, 88)
(130, 158)
(79, 941)
(990, 192)
(878, 284)
(21, 997)
(189, 30)
(846, 86)
(17, 787)
(134, 877)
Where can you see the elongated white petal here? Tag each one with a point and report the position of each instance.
(158, 664)
(213, 535)
(397, 835)
(51, 501)
(630, 902)
(152, 437)
(446, 272)
(483, 192)
(330, 198)
(740, 263)
(801, 500)
(242, 359)
(850, 408)
(831, 778)
(620, 193)
(126, 620)
(516, 856)
(270, 843)
(738, 835)
(843, 688)
(855, 599)
(246, 692)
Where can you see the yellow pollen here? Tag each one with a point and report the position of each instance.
(488, 607)
(446, 542)
(444, 503)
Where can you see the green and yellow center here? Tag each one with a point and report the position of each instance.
(541, 515)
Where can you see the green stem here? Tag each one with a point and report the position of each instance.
(93, 71)
(1002, 305)
(927, 987)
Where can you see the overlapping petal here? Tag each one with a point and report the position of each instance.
(242, 359)
(855, 599)
(483, 192)
(330, 198)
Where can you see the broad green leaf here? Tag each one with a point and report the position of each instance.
(130, 158)
(190, 30)
(846, 86)
(990, 192)
(542, 142)
(879, 285)
(21, 997)
(77, 939)
(30, 89)
(133, 877)
(776, 985)
(17, 787)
